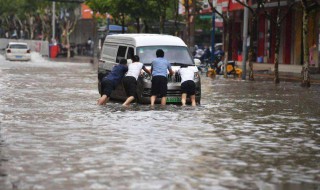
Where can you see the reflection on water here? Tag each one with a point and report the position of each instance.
(244, 135)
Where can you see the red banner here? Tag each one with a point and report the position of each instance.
(234, 5)
(231, 5)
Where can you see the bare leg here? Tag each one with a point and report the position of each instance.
(183, 99)
(152, 100)
(128, 101)
(163, 101)
(193, 100)
(103, 100)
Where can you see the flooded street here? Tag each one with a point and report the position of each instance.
(244, 135)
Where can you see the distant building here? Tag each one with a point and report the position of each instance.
(291, 46)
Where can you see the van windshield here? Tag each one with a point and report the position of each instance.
(176, 55)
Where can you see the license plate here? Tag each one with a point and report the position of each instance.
(173, 99)
(18, 56)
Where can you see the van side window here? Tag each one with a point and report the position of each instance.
(130, 53)
(108, 52)
(121, 53)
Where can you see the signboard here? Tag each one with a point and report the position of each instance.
(231, 5)
(234, 5)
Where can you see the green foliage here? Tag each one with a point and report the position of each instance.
(98, 6)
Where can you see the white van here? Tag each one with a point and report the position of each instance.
(125, 46)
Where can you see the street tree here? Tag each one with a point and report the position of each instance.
(277, 22)
(226, 21)
(162, 9)
(8, 15)
(191, 7)
(119, 10)
(98, 6)
(308, 6)
(68, 16)
(137, 12)
(253, 29)
(28, 8)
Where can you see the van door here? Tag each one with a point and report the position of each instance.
(119, 92)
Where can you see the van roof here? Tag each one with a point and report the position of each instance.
(146, 39)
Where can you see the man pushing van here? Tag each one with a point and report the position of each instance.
(110, 82)
(159, 67)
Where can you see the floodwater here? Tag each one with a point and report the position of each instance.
(244, 135)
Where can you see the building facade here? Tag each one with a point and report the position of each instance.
(291, 46)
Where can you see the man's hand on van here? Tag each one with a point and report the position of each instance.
(171, 72)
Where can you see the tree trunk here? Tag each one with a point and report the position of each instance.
(31, 24)
(251, 49)
(68, 43)
(226, 55)
(146, 26)
(122, 23)
(192, 24)
(276, 56)
(68, 39)
(138, 24)
(162, 20)
(187, 13)
(305, 69)
(176, 16)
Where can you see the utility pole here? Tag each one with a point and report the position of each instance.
(53, 21)
(213, 30)
(187, 12)
(192, 25)
(244, 43)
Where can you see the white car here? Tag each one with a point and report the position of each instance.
(18, 51)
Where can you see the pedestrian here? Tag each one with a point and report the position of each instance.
(188, 86)
(89, 46)
(110, 82)
(206, 54)
(130, 80)
(159, 67)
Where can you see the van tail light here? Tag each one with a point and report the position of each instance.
(28, 51)
(8, 50)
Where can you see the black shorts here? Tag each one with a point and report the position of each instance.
(130, 85)
(188, 87)
(107, 87)
(159, 86)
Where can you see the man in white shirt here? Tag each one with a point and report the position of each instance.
(188, 86)
(130, 80)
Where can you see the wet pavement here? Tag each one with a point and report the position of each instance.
(244, 135)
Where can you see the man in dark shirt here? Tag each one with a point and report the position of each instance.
(110, 82)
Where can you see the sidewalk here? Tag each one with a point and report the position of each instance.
(261, 70)
(286, 72)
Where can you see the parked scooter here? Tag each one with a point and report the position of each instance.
(217, 66)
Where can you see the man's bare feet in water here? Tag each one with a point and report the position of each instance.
(103, 100)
